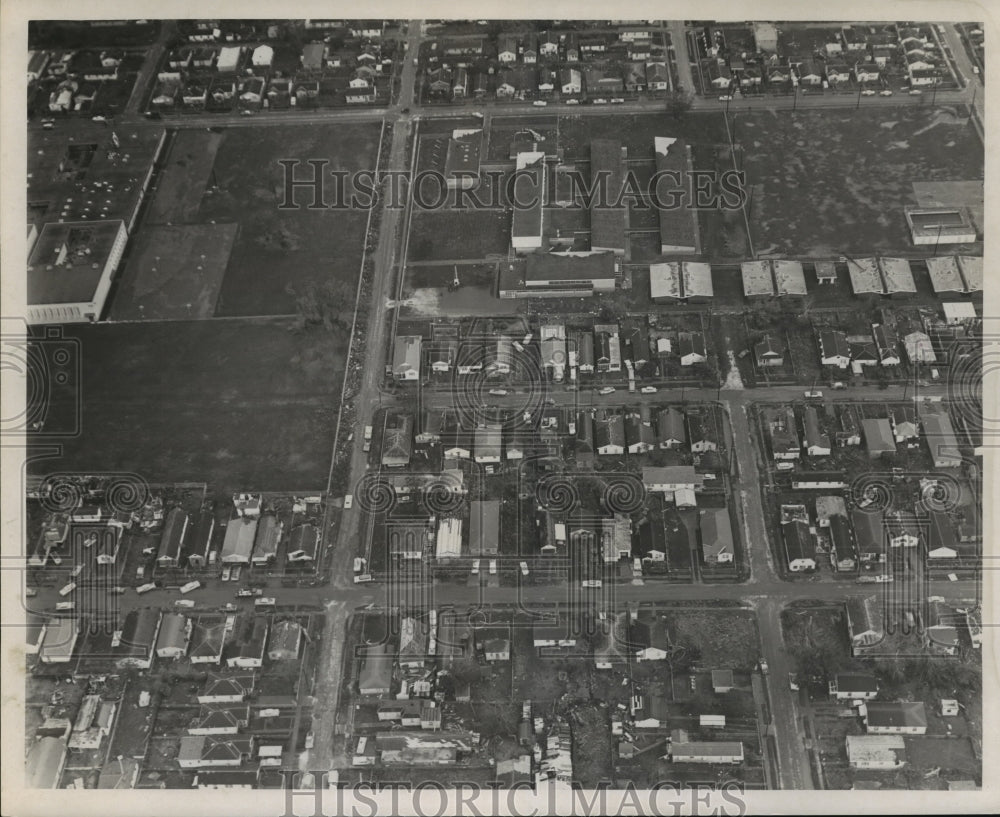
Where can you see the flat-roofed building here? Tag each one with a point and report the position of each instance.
(876, 751)
(665, 282)
(449, 539)
(757, 280)
(865, 276)
(678, 224)
(559, 274)
(696, 279)
(59, 641)
(971, 267)
(607, 216)
(528, 221)
(789, 278)
(939, 226)
(897, 276)
(70, 270)
(956, 312)
(945, 276)
(941, 440)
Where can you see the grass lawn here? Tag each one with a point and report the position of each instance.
(237, 405)
(724, 638)
(835, 181)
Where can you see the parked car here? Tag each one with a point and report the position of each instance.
(617, 100)
(725, 98)
(493, 567)
(145, 588)
(498, 392)
(539, 103)
(648, 389)
(763, 665)
(348, 502)
(572, 101)
(264, 602)
(839, 385)
(524, 568)
(886, 92)
(64, 605)
(69, 588)
(915, 92)
(475, 566)
(814, 393)
(184, 603)
(187, 588)
(607, 390)
(591, 582)
(868, 92)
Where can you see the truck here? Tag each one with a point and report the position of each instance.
(368, 438)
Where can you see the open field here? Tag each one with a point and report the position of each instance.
(233, 176)
(835, 181)
(247, 405)
(174, 272)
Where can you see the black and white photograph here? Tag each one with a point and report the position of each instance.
(497, 416)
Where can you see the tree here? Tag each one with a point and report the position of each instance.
(679, 103)
(466, 671)
(329, 303)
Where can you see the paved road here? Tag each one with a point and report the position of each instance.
(678, 39)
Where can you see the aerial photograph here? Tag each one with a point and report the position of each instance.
(505, 406)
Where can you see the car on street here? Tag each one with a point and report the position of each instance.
(145, 588)
(184, 603)
(64, 605)
(600, 102)
(117, 590)
(886, 92)
(607, 390)
(348, 502)
(362, 578)
(246, 593)
(591, 582)
(839, 385)
(69, 588)
(264, 602)
(814, 393)
(648, 389)
(524, 568)
(493, 567)
(617, 100)
(187, 588)
(498, 392)
(763, 665)
(229, 607)
(572, 101)
(30, 592)
(868, 92)
(793, 682)
(915, 92)
(539, 103)
(725, 98)
(475, 567)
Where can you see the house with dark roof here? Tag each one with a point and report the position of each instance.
(250, 654)
(895, 718)
(768, 352)
(222, 688)
(649, 637)
(175, 528)
(207, 640)
(905, 426)
(701, 432)
(886, 344)
(285, 640)
(716, 536)
(800, 549)
(397, 442)
(853, 686)
(865, 622)
(691, 348)
(869, 534)
(201, 751)
(670, 428)
(878, 436)
(609, 434)
(220, 719)
(135, 643)
(842, 553)
(834, 349)
(817, 441)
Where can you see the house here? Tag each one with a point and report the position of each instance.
(397, 442)
(529, 49)
(691, 348)
(497, 649)
(266, 541)
(842, 553)
(876, 751)
(941, 441)
(869, 534)
(684, 751)
(878, 436)
(784, 436)
(650, 638)
(942, 542)
(834, 349)
(174, 636)
(487, 444)
(135, 644)
(406, 358)
(768, 352)
(375, 673)
(865, 71)
(716, 536)
(657, 78)
(940, 628)
(719, 75)
(639, 436)
(201, 751)
(549, 634)
(837, 72)
(905, 426)
(262, 57)
(902, 528)
(817, 441)
(894, 717)
(226, 689)
(59, 641)
(722, 681)
(303, 543)
(635, 74)
(865, 622)
(854, 686)
(886, 344)
(671, 479)
(919, 348)
(417, 748)
(849, 432)
(220, 719)
(570, 81)
(414, 635)
(251, 645)
(800, 549)
(208, 636)
(810, 73)
(285, 640)
(701, 433)
(552, 347)
(449, 539)
(547, 80)
(609, 434)
(484, 527)
(670, 428)
(172, 539)
(584, 441)
(460, 85)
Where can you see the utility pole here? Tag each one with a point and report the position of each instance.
(860, 88)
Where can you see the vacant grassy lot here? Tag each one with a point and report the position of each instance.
(636, 132)
(835, 181)
(245, 404)
(723, 638)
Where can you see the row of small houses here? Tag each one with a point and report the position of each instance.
(147, 634)
(633, 43)
(605, 432)
(607, 348)
(526, 80)
(862, 537)
(880, 435)
(217, 31)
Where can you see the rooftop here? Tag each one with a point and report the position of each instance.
(68, 260)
